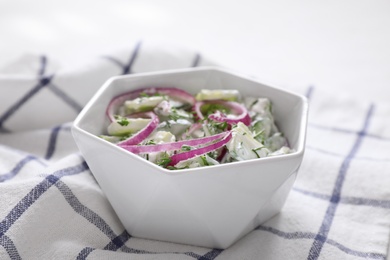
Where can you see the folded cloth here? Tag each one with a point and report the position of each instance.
(52, 208)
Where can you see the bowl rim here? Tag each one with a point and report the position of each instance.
(302, 130)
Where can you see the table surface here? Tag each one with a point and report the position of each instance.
(341, 46)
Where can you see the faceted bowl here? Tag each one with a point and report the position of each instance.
(211, 206)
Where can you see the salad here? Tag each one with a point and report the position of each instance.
(176, 130)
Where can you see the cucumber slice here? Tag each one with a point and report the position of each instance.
(125, 126)
(223, 94)
(142, 104)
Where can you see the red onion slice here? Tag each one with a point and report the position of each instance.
(176, 93)
(117, 101)
(239, 110)
(171, 146)
(220, 117)
(145, 132)
(197, 107)
(176, 158)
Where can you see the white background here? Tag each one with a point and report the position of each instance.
(333, 44)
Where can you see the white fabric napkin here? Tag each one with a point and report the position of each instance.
(52, 208)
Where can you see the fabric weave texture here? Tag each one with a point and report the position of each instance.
(52, 208)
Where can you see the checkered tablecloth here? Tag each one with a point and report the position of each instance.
(52, 208)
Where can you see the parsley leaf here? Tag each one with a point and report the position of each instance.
(204, 160)
(150, 142)
(186, 148)
(208, 109)
(255, 151)
(123, 121)
(164, 160)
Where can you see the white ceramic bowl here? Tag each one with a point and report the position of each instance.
(210, 206)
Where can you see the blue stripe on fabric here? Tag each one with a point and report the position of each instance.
(347, 131)
(84, 211)
(377, 137)
(53, 139)
(118, 241)
(348, 200)
(318, 243)
(87, 250)
(85, 253)
(191, 254)
(66, 127)
(354, 252)
(310, 235)
(124, 237)
(139, 251)
(341, 155)
(127, 69)
(42, 83)
(366, 202)
(208, 256)
(35, 193)
(309, 92)
(312, 194)
(211, 254)
(115, 61)
(18, 167)
(9, 247)
(65, 97)
(52, 142)
(287, 235)
(42, 68)
(196, 61)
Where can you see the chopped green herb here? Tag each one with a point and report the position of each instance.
(164, 160)
(254, 103)
(124, 137)
(174, 115)
(143, 94)
(213, 154)
(185, 107)
(258, 134)
(204, 160)
(177, 168)
(208, 109)
(217, 127)
(186, 148)
(233, 154)
(150, 142)
(255, 151)
(123, 121)
(270, 107)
